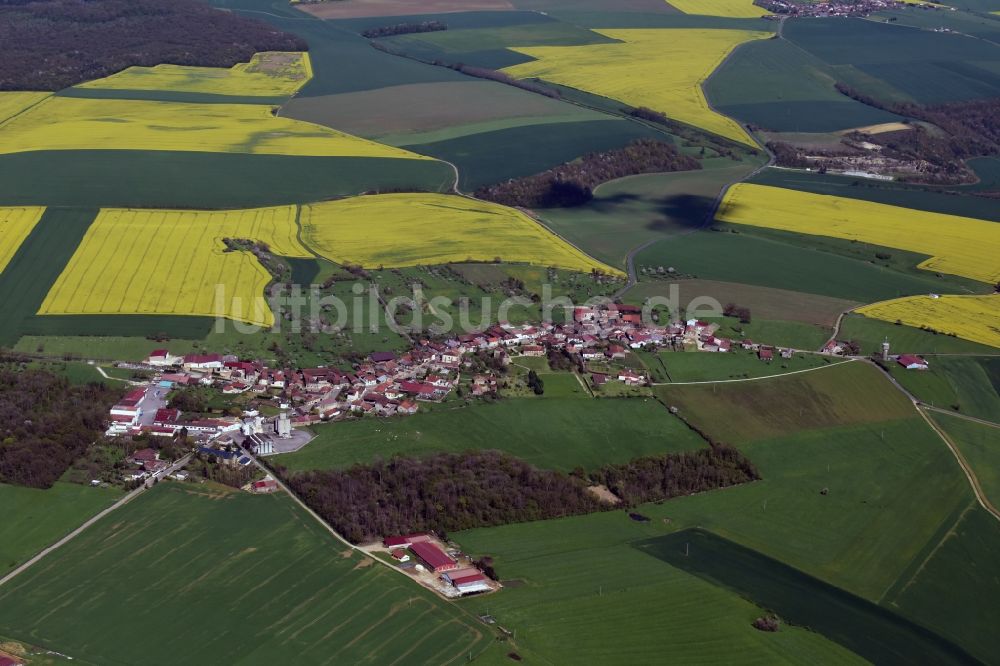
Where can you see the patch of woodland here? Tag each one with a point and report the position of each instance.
(54, 44)
(46, 423)
(573, 183)
(457, 491)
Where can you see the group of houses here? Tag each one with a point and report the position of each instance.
(142, 411)
(779, 8)
(390, 383)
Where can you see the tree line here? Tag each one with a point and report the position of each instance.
(572, 183)
(54, 44)
(404, 29)
(456, 491)
(471, 70)
(46, 423)
(655, 478)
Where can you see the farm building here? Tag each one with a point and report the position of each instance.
(264, 486)
(471, 583)
(911, 362)
(162, 358)
(436, 559)
(406, 541)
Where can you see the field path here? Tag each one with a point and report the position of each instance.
(836, 327)
(965, 417)
(101, 371)
(963, 463)
(970, 474)
(753, 379)
(79, 530)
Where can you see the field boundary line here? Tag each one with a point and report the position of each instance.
(754, 379)
(5, 121)
(948, 533)
(128, 497)
(963, 463)
(965, 417)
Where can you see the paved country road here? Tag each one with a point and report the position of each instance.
(79, 530)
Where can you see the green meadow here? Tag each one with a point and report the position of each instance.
(550, 432)
(734, 365)
(870, 333)
(858, 499)
(848, 393)
(980, 445)
(35, 518)
(786, 261)
(960, 383)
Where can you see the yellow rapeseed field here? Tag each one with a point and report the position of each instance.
(395, 230)
(13, 103)
(269, 74)
(730, 8)
(975, 318)
(171, 262)
(661, 69)
(957, 245)
(15, 225)
(65, 123)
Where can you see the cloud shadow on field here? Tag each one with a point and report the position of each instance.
(689, 211)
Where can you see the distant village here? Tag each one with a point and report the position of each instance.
(782, 8)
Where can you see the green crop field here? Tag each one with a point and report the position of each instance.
(773, 261)
(870, 333)
(455, 43)
(775, 85)
(202, 180)
(227, 577)
(891, 490)
(980, 444)
(628, 212)
(738, 364)
(977, 25)
(491, 157)
(550, 432)
(426, 112)
(870, 631)
(481, 19)
(891, 193)
(957, 573)
(75, 372)
(953, 382)
(577, 592)
(109, 348)
(766, 303)
(795, 334)
(844, 394)
(36, 265)
(890, 487)
(900, 63)
(34, 518)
